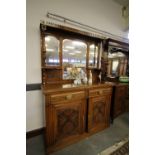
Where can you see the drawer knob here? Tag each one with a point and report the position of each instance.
(68, 97)
(100, 92)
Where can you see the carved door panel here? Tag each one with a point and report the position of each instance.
(119, 102)
(99, 113)
(68, 121)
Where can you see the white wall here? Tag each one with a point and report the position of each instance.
(34, 110)
(101, 14)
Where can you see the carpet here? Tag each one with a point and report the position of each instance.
(120, 148)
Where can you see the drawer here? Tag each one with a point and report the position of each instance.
(100, 92)
(68, 96)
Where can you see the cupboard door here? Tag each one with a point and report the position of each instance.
(126, 109)
(119, 100)
(67, 121)
(99, 113)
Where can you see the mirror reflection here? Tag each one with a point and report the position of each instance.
(116, 62)
(74, 56)
(93, 54)
(52, 51)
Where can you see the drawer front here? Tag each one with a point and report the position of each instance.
(100, 92)
(68, 96)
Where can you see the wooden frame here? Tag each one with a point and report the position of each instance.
(62, 34)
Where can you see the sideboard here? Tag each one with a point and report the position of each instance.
(120, 100)
(74, 112)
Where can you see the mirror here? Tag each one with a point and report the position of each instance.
(52, 51)
(117, 62)
(93, 55)
(66, 56)
(74, 56)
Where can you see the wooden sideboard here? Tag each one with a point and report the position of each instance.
(120, 99)
(74, 112)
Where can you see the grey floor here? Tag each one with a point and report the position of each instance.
(89, 146)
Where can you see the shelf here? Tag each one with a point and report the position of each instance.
(52, 67)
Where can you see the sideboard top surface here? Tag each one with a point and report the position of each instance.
(51, 88)
(71, 87)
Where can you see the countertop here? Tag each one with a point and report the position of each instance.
(49, 88)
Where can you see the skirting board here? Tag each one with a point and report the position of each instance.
(34, 133)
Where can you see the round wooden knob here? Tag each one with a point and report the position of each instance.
(100, 92)
(68, 97)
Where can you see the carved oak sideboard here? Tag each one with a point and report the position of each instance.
(120, 100)
(74, 112)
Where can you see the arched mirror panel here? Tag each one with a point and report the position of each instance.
(74, 58)
(52, 51)
(93, 55)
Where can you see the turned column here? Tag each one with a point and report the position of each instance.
(109, 63)
(125, 67)
(121, 68)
